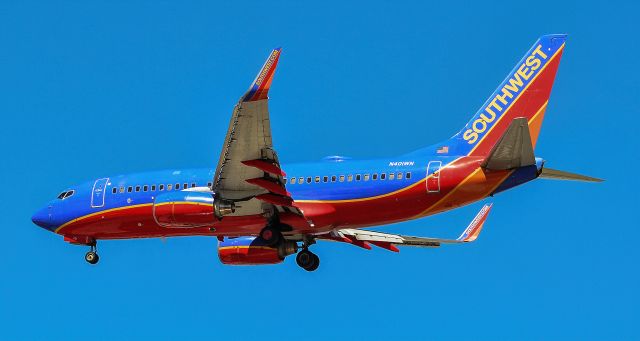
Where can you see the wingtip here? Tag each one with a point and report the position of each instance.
(259, 89)
(472, 231)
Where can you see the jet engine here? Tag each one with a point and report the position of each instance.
(190, 209)
(253, 251)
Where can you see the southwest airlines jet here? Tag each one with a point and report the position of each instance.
(260, 214)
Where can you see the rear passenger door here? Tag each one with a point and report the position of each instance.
(433, 176)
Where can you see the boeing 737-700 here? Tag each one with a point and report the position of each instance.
(261, 215)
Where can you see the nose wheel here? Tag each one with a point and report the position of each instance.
(307, 260)
(92, 256)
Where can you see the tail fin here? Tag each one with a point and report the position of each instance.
(524, 93)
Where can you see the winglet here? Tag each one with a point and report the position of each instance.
(260, 86)
(474, 228)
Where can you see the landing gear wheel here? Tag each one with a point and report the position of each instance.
(316, 263)
(307, 260)
(271, 236)
(92, 257)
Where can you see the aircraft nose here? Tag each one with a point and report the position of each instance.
(43, 218)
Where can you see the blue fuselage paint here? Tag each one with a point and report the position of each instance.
(331, 179)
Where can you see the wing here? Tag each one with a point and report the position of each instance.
(389, 241)
(248, 172)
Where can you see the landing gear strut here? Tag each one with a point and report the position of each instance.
(307, 260)
(92, 256)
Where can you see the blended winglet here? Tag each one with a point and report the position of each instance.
(473, 230)
(260, 87)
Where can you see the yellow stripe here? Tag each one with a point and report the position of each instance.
(448, 194)
(183, 203)
(518, 97)
(245, 247)
(539, 111)
(99, 213)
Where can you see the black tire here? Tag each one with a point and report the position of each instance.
(305, 259)
(315, 264)
(270, 236)
(91, 257)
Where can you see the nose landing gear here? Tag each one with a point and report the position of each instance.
(92, 256)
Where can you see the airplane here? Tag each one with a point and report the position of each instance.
(261, 215)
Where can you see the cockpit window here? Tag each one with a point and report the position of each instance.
(66, 194)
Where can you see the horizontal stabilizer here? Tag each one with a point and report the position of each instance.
(548, 173)
(514, 149)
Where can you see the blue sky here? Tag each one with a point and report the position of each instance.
(89, 89)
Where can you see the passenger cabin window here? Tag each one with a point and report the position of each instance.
(130, 189)
(317, 179)
(169, 187)
(177, 186)
(193, 185)
(114, 190)
(350, 177)
(301, 180)
(399, 176)
(145, 188)
(121, 189)
(308, 179)
(153, 188)
(325, 179)
(392, 176)
(333, 178)
(292, 181)
(209, 184)
(357, 177)
(374, 176)
(137, 188)
(185, 186)
(341, 178)
(366, 177)
(383, 176)
(408, 175)
(161, 187)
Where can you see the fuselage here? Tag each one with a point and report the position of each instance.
(334, 193)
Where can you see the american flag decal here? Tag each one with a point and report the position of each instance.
(443, 150)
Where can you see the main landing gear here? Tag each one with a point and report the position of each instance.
(307, 260)
(271, 236)
(92, 256)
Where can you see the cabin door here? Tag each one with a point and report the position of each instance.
(433, 176)
(98, 192)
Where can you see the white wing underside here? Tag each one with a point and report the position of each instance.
(248, 171)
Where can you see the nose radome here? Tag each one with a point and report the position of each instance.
(42, 218)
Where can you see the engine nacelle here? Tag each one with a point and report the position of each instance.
(184, 209)
(187, 209)
(253, 251)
